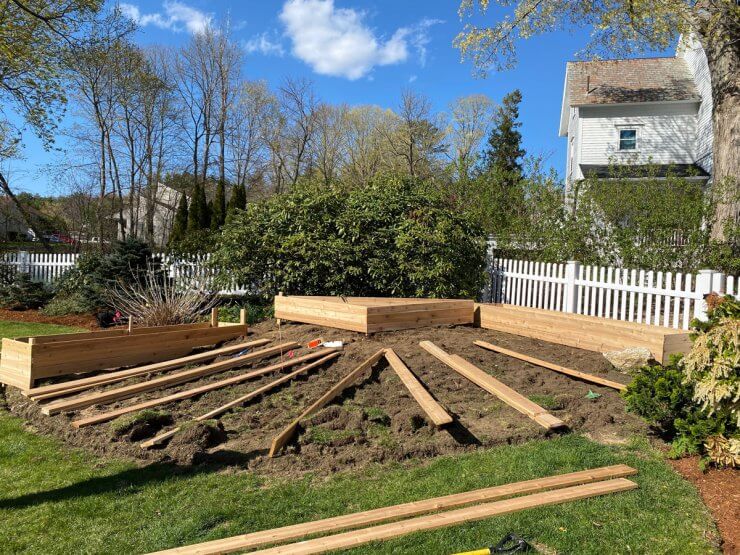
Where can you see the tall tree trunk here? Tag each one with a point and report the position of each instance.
(5, 187)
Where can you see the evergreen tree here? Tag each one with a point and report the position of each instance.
(238, 198)
(504, 152)
(180, 225)
(208, 215)
(218, 214)
(199, 216)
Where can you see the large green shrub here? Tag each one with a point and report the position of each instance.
(395, 237)
(22, 293)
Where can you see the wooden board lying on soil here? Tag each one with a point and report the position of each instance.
(106, 416)
(373, 314)
(584, 332)
(431, 407)
(551, 366)
(240, 400)
(73, 386)
(495, 387)
(405, 510)
(25, 360)
(169, 380)
(284, 437)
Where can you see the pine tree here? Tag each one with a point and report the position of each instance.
(199, 216)
(180, 225)
(218, 214)
(504, 153)
(238, 199)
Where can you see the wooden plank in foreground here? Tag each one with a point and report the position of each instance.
(432, 408)
(104, 417)
(552, 366)
(58, 389)
(392, 530)
(169, 380)
(404, 510)
(495, 387)
(284, 437)
(239, 401)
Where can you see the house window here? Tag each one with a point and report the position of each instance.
(628, 139)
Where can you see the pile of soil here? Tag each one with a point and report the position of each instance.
(376, 420)
(87, 321)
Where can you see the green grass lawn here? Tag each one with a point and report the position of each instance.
(55, 499)
(25, 329)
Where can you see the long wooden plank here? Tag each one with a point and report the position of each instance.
(161, 438)
(392, 530)
(434, 410)
(283, 437)
(56, 390)
(165, 381)
(405, 510)
(106, 416)
(552, 366)
(492, 385)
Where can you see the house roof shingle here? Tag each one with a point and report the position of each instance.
(635, 80)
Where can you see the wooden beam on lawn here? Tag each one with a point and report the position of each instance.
(284, 437)
(405, 510)
(552, 366)
(58, 389)
(186, 394)
(76, 403)
(434, 410)
(161, 438)
(492, 385)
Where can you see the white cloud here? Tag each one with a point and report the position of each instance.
(335, 41)
(264, 45)
(177, 16)
(419, 37)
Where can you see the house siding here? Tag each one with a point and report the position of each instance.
(666, 133)
(690, 50)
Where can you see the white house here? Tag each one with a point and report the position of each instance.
(634, 112)
(165, 207)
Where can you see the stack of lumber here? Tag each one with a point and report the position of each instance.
(490, 501)
(584, 332)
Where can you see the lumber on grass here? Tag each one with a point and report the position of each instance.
(73, 386)
(405, 510)
(186, 394)
(161, 438)
(110, 395)
(284, 437)
(431, 407)
(391, 530)
(494, 386)
(552, 366)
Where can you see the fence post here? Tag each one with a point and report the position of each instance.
(719, 283)
(24, 262)
(704, 283)
(572, 272)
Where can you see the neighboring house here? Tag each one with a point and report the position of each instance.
(165, 207)
(631, 113)
(12, 225)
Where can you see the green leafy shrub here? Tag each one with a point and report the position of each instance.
(257, 310)
(22, 293)
(395, 237)
(74, 303)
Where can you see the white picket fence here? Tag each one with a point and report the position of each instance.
(658, 298)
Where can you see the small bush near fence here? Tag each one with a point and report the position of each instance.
(23, 294)
(395, 237)
(695, 401)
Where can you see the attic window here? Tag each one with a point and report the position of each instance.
(628, 139)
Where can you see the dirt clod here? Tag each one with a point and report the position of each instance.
(190, 445)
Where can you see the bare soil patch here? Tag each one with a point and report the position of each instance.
(376, 420)
(86, 321)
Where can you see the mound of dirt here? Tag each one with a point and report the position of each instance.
(190, 445)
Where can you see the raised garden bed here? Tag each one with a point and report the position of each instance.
(585, 332)
(26, 359)
(373, 314)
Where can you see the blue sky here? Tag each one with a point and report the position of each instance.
(358, 52)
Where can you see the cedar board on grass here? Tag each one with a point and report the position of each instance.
(27, 359)
(373, 314)
(404, 510)
(584, 332)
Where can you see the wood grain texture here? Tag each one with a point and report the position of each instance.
(285, 436)
(404, 510)
(552, 366)
(186, 394)
(431, 407)
(495, 387)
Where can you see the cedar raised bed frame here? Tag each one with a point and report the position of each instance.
(373, 314)
(26, 359)
(584, 332)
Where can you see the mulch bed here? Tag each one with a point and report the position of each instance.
(720, 490)
(86, 321)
